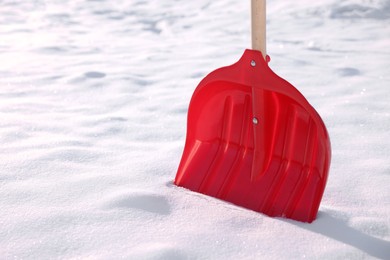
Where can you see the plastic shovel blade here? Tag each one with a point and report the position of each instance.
(254, 140)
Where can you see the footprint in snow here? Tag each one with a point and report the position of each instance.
(152, 203)
(94, 74)
(348, 72)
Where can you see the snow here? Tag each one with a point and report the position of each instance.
(93, 103)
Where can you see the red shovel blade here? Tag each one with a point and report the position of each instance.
(255, 141)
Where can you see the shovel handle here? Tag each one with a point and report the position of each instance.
(258, 8)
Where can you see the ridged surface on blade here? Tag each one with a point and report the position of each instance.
(277, 164)
(221, 167)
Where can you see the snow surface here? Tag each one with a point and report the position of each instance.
(93, 103)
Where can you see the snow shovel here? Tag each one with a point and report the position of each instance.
(253, 139)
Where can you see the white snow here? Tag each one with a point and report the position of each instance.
(93, 103)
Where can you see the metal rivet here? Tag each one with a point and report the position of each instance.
(255, 120)
(253, 63)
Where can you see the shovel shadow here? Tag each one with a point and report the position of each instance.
(339, 230)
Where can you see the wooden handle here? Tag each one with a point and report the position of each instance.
(259, 26)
